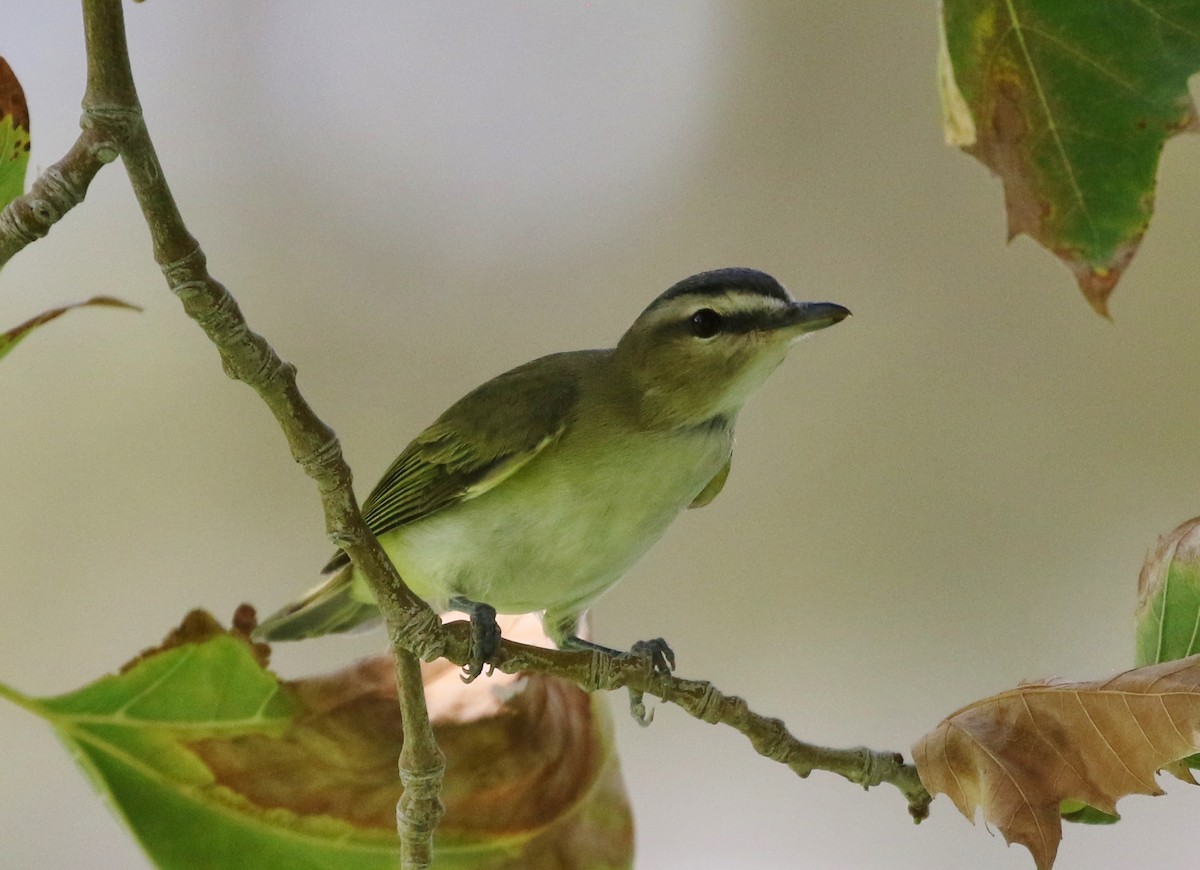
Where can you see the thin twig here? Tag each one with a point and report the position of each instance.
(594, 670)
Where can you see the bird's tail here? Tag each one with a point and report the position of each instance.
(331, 607)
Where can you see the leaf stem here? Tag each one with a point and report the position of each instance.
(23, 701)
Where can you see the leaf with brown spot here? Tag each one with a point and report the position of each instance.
(1070, 103)
(14, 136)
(1168, 611)
(1022, 754)
(14, 336)
(213, 761)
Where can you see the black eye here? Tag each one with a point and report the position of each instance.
(706, 323)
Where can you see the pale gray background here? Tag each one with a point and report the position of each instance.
(948, 494)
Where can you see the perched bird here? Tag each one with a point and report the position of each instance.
(539, 489)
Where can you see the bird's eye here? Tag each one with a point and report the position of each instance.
(706, 323)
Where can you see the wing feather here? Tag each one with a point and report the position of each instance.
(713, 488)
(481, 440)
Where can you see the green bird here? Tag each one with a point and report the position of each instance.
(538, 490)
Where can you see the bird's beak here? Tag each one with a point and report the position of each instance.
(801, 318)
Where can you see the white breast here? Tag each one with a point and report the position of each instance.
(553, 536)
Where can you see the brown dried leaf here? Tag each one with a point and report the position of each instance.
(1018, 755)
(531, 779)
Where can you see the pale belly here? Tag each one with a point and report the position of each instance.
(555, 538)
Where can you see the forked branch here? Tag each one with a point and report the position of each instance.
(113, 126)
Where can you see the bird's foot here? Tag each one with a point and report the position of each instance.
(661, 659)
(485, 637)
(657, 655)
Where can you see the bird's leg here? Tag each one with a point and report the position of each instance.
(657, 653)
(485, 636)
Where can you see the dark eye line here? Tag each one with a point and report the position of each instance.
(705, 323)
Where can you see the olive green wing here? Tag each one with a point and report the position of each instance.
(482, 439)
(713, 488)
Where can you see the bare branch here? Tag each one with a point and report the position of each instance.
(111, 104)
(595, 670)
(422, 768)
(56, 191)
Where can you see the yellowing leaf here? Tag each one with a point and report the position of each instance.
(14, 336)
(1070, 102)
(214, 762)
(14, 136)
(1021, 754)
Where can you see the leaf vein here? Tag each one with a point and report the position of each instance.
(1018, 31)
(1103, 739)
(185, 655)
(1175, 25)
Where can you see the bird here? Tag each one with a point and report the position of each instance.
(538, 490)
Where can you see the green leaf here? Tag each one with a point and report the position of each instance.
(1168, 611)
(1167, 620)
(14, 136)
(1070, 102)
(14, 336)
(213, 762)
(1081, 813)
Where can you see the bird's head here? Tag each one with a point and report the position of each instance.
(703, 347)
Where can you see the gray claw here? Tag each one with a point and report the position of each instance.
(637, 709)
(485, 641)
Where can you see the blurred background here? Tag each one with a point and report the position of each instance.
(946, 495)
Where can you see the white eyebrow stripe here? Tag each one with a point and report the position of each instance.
(729, 303)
